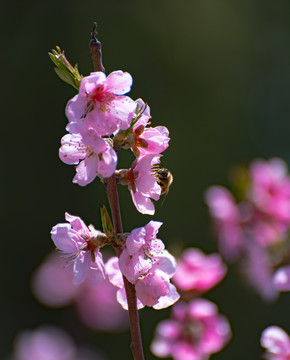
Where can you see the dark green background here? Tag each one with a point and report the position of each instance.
(215, 72)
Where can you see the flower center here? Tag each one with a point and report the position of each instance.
(100, 96)
(193, 332)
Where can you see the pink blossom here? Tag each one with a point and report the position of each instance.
(92, 155)
(194, 332)
(98, 308)
(44, 343)
(154, 289)
(226, 216)
(81, 246)
(149, 140)
(257, 267)
(140, 251)
(101, 103)
(198, 272)
(277, 343)
(270, 188)
(52, 282)
(97, 305)
(146, 140)
(141, 183)
(49, 343)
(146, 264)
(281, 278)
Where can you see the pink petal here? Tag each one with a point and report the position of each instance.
(276, 341)
(119, 82)
(87, 171)
(90, 83)
(151, 288)
(97, 269)
(152, 228)
(108, 163)
(113, 271)
(135, 240)
(75, 108)
(77, 223)
(122, 110)
(102, 121)
(81, 267)
(72, 149)
(64, 238)
(166, 263)
(143, 204)
(122, 300)
(167, 300)
(96, 143)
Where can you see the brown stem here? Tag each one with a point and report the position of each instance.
(96, 50)
(136, 345)
(113, 198)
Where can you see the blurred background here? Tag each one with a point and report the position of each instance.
(216, 73)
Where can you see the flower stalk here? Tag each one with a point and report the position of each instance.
(113, 198)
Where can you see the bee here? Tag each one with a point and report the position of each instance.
(164, 179)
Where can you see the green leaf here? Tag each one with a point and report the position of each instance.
(107, 222)
(64, 69)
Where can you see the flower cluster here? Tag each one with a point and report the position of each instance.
(277, 343)
(196, 329)
(143, 261)
(146, 264)
(101, 121)
(255, 230)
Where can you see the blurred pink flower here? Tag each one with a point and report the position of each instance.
(49, 343)
(194, 332)
(44, 343)
(80, 245)
(197, 272)
(226, 216)
(92, 155)
(101, 103)
(277, 343)
(281, 279)
(98, 307)
(52, 282)
(257, 267)
(255, 230)
(270, 188)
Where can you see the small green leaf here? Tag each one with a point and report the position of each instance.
(64, 69)
(64, 76)
(107, 222)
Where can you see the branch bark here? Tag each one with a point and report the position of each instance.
(113, 198)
